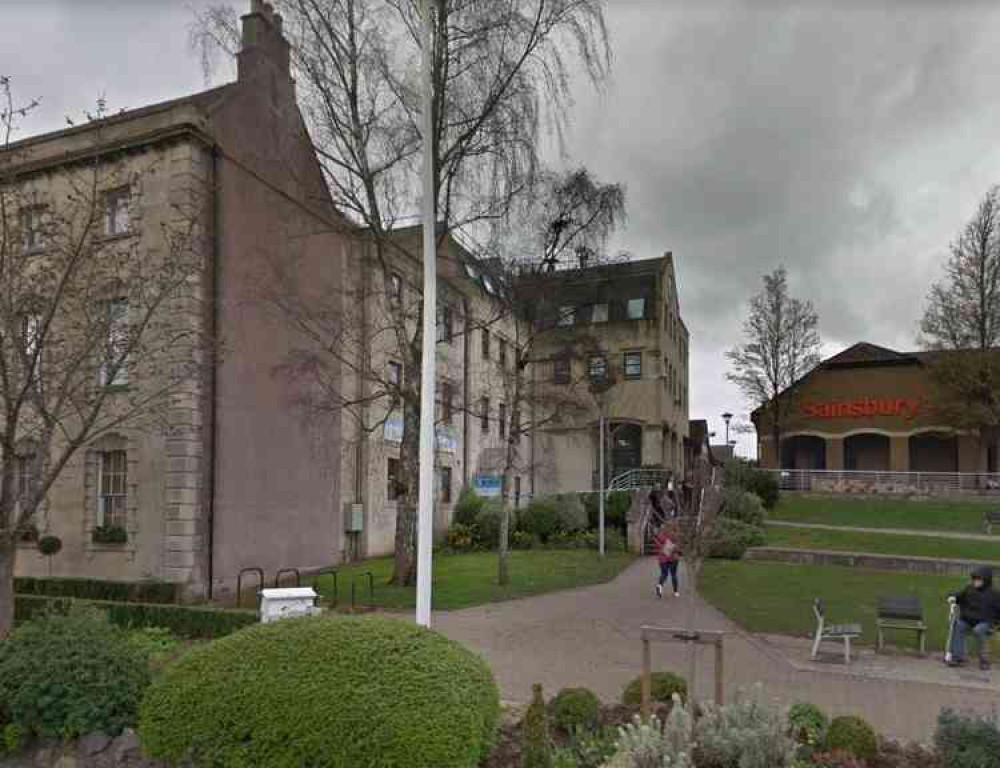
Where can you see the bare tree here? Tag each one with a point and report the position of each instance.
(550, 280)
(500, 76)
(100, 325)
(962, 320)
(781, 344)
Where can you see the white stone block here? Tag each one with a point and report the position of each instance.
(287, 603)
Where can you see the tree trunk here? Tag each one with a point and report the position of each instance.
(405, 567)
(8, 554)
(503, 574)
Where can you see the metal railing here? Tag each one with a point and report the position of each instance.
(859, 481)
(634, 479)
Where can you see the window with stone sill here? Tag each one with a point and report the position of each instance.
(32, 219)
(114, 367)
(117, 220)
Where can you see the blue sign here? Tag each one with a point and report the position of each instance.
(487, 485)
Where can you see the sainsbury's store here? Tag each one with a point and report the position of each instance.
(870, 409)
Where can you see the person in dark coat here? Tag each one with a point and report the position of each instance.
(978, 611)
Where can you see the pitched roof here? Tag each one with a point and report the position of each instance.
(864, 353)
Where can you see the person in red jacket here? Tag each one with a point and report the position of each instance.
(669, 554)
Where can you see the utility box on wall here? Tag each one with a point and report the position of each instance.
(287, 603)
(354, 517)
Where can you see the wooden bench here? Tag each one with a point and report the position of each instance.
(834, 632)
(990, 518)
(900, 613)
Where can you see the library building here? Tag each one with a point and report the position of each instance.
(870, 409)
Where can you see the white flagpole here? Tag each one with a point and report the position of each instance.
(425, 499)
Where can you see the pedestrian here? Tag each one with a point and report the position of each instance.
(978, 610)
(669, 554)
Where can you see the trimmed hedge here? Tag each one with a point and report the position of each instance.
(193, 623)
(341, 692)
(92, 589)
(574, 708)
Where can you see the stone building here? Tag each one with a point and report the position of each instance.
(629, 315)
(235, 480)
(869, 408)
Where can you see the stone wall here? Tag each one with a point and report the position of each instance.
(898, 563)
(94, 751)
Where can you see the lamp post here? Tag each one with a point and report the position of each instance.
(425, 495)
(727, 417)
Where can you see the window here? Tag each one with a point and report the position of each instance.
(517, 491)
(445, 331)
(32, 227)
(636, 309)
(567, 316)
(393, 488)
(503, 420)
(25, 475)
(597, 369)
(633, 365)
(561, 370)
(502, 353)
(444, 485)
(116, 207)
(113, 486)
(447, 395)
(486, 343)
(394, 287)
(484, 415)
(515, 426)
(600, 313)
(114, 371)
(395, 374)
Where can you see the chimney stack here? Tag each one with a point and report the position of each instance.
(265, 52)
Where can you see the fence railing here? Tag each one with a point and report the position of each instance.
(857, 481)
(634, 479)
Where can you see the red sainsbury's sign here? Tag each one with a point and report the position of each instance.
(865, 407)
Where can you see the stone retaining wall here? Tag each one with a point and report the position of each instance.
(96, 750)
(898, 563)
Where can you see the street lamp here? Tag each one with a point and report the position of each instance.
(727, 417)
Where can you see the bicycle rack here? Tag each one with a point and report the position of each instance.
(336, 590)
(239, 583)
(371, 589)
(282, 571)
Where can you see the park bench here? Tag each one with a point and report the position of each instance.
(990, 518)
(833, 632)
(900, 613)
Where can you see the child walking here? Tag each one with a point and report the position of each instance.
(669, 554)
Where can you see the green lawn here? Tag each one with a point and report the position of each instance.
(777, 598)
(461, 581)
(883, 544)
(936, 515)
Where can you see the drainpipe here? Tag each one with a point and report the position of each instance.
(213, 389)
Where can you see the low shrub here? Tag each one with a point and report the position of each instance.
(155, 644)
(967, 741)
(540, 519)
(663, 686)
(184, 621)
(592, 748)
(92, 589)
(522, 540)
(486, 531)
(747, 733)
(571, 516)
(468, 507)
(764, 485)
(460, 537)
(743, 506)
(731, 539)
(807, 724)
(853, 735)
(14, 739)
(838, 758)
(65, 676)
(574, 708)
(892, 754)
(536, 746)
(327, 693)
(616, 507)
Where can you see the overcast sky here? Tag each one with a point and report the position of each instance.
(848, 140)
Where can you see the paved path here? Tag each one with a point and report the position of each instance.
(590, 637)
(890, 531)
